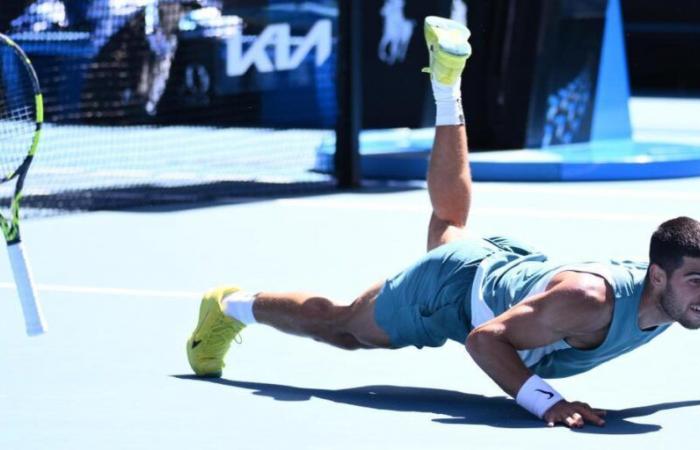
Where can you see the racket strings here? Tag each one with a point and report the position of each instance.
(17, 113)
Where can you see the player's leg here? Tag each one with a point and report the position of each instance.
(449, 185)
(346, 326)
(449, 178)
(398, 305)
(225, 312)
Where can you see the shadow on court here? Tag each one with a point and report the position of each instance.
(460, 408)
(155, 199)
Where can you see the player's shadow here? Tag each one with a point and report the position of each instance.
(458, 407)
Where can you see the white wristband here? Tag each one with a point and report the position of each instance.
(537, 396)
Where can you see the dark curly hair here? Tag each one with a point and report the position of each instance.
(673, 240)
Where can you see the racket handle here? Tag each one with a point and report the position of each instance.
(33, 316)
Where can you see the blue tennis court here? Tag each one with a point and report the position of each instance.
(185, 145)
(121, 291)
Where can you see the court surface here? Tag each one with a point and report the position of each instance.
(121, 292)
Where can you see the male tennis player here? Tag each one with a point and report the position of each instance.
(520, 315)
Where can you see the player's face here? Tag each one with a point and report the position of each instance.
(681, 298)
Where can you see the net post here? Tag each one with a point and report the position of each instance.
(349, 90)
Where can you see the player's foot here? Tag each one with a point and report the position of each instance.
(449, 49)
(212, 338)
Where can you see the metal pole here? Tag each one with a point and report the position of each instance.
(349, 89)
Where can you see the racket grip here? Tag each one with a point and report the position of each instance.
(33, 317)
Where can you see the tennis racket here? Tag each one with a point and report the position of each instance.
(21, 116)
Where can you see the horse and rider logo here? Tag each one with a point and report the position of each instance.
(397, 34)
(398, 30)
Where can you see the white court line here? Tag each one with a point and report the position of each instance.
(531, 213)
(110, 291)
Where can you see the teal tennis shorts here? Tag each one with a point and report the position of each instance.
(429, 302)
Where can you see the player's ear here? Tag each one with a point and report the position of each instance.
(657, 276)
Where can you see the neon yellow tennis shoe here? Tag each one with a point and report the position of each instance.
(212, 338)
(449, 49)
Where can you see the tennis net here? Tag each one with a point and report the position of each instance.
(150, 102)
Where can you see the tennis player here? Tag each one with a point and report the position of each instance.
(521, 316)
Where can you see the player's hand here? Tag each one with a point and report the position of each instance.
(573, 414)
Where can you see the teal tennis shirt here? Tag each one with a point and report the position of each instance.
(504, 279)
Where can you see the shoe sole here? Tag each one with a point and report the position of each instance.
(451, 36)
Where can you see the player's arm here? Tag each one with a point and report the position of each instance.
(576, 305)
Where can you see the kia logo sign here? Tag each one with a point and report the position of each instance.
(289, 51)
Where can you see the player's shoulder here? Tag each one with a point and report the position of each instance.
(590, 293)
(587, 284)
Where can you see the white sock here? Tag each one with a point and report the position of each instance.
(239, 306)
(448, 102)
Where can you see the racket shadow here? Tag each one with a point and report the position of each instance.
(458, 408)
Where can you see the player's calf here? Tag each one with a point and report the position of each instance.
(449, 177)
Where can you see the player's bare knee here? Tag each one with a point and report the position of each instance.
(455, 216)
(357, 308)
(442, 232)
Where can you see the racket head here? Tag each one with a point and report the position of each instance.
(21, 110)
(21, 117)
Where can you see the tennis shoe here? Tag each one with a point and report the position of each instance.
(448, 47)
(210, 341)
